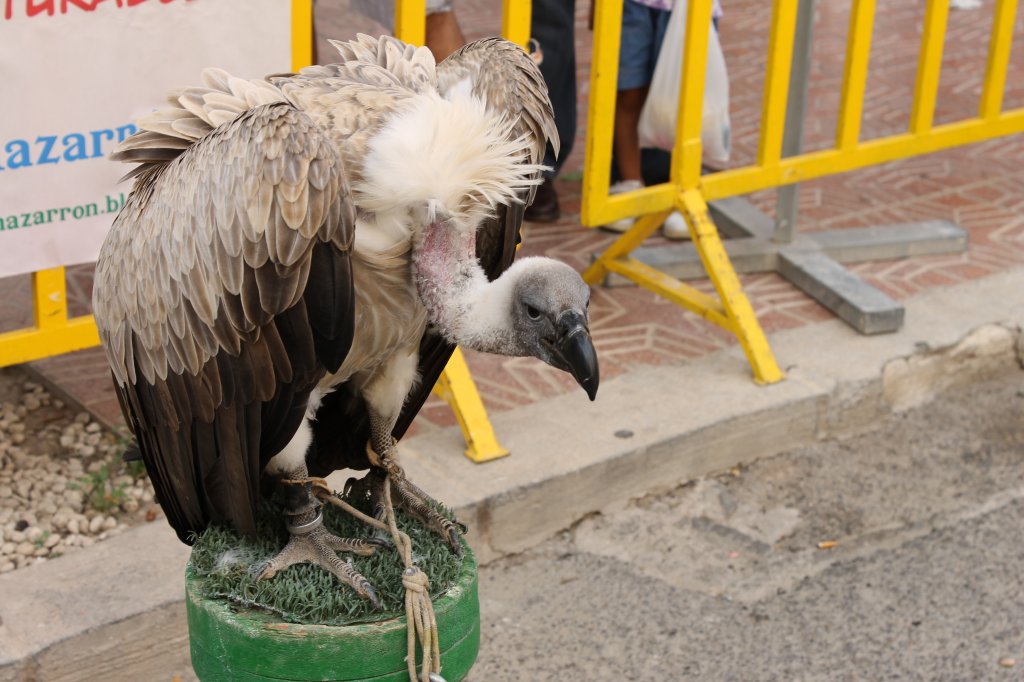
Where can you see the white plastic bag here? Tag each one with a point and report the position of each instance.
(657, 125)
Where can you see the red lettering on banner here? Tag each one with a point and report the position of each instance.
(33, 8)
(80, 4)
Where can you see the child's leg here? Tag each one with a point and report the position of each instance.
(628, 105)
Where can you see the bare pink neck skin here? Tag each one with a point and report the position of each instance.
(454, 289)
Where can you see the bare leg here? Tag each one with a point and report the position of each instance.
(444, 35)
(628, 105)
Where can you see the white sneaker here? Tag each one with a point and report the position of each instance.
(675, 227)
(623, 224)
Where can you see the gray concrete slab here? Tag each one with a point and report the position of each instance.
(649, 430)
(725, 578)
(112, 611)
(860, 305)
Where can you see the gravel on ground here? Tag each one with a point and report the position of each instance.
(63, 484)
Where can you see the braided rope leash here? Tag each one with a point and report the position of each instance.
(421, 623)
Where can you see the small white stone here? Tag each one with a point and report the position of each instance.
(92, 427)
(52, 541)
(7, 567)
(26, 549)
(109, 523)
(74, 498)
(73, 527)
(95, 524)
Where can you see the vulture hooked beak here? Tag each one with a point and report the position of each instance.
(573, 351)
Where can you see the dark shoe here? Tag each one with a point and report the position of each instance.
(544, 208)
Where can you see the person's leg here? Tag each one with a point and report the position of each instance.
(553, 28)
(628, 105)
(637, 53)
(444, 35)
(635, 68)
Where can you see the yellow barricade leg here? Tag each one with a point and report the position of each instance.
(732, 311)
(53, 333)
(742, 321)
(456, 387)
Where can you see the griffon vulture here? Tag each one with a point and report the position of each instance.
(296, 260)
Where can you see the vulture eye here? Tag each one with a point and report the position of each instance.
(532, 312)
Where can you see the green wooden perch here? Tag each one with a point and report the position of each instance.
(233, 643)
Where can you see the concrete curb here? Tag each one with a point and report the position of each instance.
(101, 613)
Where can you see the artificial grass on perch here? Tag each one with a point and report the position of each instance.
(222, 589)
(307, 593)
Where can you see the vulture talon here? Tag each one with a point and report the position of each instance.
(320, 547)
(412, 499)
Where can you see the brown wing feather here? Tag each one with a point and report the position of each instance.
(223, 293)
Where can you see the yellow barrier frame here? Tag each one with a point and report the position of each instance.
(53, 333)
(688, 191)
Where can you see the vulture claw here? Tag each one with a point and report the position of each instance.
(320, 547)
(408, 496)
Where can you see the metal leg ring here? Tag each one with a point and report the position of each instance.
(309, 526)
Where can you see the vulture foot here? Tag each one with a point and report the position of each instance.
(311, 543)
(410, 497)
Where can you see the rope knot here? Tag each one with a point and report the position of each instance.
(415, 580)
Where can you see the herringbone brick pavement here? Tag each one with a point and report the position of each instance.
(981, 187)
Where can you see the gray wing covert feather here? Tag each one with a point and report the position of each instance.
(222, 293)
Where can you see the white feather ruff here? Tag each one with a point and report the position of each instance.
(450, 152)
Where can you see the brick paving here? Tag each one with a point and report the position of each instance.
(981, 187)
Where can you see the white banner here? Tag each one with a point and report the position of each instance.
(76, 74)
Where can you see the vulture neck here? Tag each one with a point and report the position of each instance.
(464, 307)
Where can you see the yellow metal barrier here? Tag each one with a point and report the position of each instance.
(688, 191)
(53, 333)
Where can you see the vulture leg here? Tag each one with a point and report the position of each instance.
(385, 393)
(311, 543)
(404, 493)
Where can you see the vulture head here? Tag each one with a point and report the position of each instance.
(548, 317)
